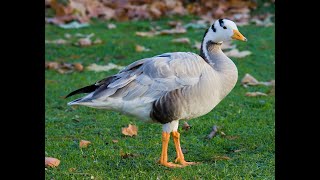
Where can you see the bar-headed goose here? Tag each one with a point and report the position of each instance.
(170, 87)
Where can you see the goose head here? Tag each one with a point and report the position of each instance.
(224, 30)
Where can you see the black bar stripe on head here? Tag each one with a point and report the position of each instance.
(221, 22)
(213, 28)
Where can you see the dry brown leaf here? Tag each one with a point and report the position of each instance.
(181, 40)
(238, 54)
(58, 41)
(111, 26)
(63, 67)
(254, 94)
(51, 162)
(250, 80)
(263, 20)
(155, 12)
(115, 141)
(140, 48)
(174, 23)
(84, 143)
(146, 34)
(52, 65)
(127, 155)
(99, 68)
(131, 130)
(186, 126)
(217, 158)
(72, 169)
(177, 8)
(238, 150)
(177, 30)
(78, 67)
(83, 10)
(84, 42)
(97, 41)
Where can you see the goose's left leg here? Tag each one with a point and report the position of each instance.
(180, 157)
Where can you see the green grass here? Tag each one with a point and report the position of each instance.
(249, 118)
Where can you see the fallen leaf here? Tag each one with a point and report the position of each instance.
(127, 155)
(254, 94)
(174, 23)
(111, 26)
(186, 126)
(250, 80)
(263, 20)
(51, 162)
(84, 143)
(177, 30)
(238, 150)
(52, 65)
(63, 68)
(181, 40)
(58, 41)
(84, 42)
(78, 67)
(115, 141)
(140, 48)
(83, 35)
(238, 54)
(99, 68)
(217, 158)
(84, 10)
(74, 25)
(146, 34)
(72, 169)
(131, 130)
(97, 41)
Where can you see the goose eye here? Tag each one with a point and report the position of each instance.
(224, 27)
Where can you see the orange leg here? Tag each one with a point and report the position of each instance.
(180, 157)
(164, 154)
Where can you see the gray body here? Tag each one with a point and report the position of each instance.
(168, 87)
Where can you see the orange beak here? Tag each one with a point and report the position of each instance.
(237, 35)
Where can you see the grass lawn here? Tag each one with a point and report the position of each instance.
(249, 120)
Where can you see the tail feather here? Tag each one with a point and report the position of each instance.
(93, 87)
(86, 89)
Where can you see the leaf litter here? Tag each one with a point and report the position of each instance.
(183, 40)
(140, 48)
(64, 68)
(131, 130)
(84, 143)
(51, 162)
(101, 68)
(249, 80)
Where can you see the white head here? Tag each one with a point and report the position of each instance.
(223, 30)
